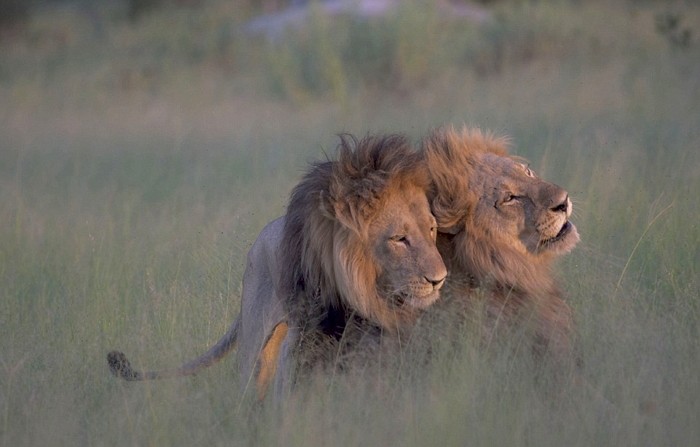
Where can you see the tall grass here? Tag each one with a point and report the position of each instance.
(132, 184)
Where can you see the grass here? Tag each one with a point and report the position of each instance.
(137, 167)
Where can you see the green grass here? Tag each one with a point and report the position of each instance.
(138, 166)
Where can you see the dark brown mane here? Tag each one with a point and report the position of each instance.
(326, 219)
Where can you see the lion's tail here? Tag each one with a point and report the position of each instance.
(121, 367)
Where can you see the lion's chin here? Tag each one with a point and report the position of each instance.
(563, 242)
(422, 301)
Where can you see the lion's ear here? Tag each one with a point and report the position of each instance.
(350, 213)
(342, 210)
(450, 218)
(326, 206)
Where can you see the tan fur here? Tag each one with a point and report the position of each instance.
(500, 231)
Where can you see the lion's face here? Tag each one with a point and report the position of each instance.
(401, 238)
(386, 262)
(516, 207)
(497, 218)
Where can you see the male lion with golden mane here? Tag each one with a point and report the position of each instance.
(358, 242)
(500, 228)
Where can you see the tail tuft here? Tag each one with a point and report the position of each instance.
(120, 366)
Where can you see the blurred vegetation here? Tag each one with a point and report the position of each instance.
(142, 152)
(329, 56)
(13, 12)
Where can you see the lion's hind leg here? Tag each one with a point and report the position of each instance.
(268, 359)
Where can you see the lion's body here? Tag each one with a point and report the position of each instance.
(501, 228)
(357, 245)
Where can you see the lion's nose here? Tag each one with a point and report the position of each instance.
(436, 282)
(563, 206)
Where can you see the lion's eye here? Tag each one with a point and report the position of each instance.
(510, 198)
(529, 172)
(399, 239)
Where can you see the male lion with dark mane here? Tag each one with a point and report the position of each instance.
(359, 241)
(500, 228)
(357, 244)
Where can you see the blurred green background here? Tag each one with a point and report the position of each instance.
(145, 143)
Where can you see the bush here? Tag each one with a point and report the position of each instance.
(330, 55)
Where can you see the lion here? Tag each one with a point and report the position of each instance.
(358, 242)
(500, 228)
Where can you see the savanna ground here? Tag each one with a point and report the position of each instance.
(139, 158)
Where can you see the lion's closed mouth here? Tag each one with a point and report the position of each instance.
(417, 299)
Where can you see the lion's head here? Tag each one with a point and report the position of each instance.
(508, 224)
(359, 237)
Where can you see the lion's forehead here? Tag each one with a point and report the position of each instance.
(412, 201)
(402, 209)
(506, 166)
(500, 174)
(495, 175)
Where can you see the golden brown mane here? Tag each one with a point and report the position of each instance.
(452, 158)
(324, 244)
